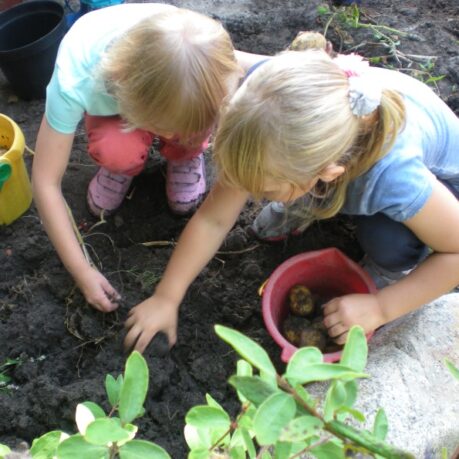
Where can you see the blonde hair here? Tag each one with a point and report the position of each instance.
(171, 71)
(291, 118)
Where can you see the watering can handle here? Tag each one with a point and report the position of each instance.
(5, 171)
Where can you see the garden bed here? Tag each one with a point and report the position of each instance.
(65, 348)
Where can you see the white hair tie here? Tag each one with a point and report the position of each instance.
(364, 93)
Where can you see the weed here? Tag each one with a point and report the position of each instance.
(5, 368)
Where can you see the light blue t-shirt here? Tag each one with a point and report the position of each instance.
(400, 183)
(76, 86)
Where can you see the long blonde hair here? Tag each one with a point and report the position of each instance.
(291, 118)
(172, 70)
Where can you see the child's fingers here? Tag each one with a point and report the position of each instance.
(330, 307)
(341, 339)
(131, 338)
(143, 341)
(330, 320)
(336, 330)
(172, 337)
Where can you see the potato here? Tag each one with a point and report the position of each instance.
(292, 328)
(318, 324)
(312, 337)
(308, 40)
(301, 301)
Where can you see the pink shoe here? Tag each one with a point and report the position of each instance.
(106, 192)
(185, 184)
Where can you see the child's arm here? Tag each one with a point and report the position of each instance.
(198, 243)
(49, 165)
(437, 225)
(247, 60)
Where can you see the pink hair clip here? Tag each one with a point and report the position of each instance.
(351, 64)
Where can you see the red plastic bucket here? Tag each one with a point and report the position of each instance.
(326, 272)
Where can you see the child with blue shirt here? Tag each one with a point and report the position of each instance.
(331, 135)
(133, 72)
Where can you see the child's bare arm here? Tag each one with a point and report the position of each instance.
(50, 162)
(247, 60)
(437, 225)
(198, 243)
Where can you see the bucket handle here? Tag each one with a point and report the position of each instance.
(5, 171)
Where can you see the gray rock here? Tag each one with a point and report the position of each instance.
(409, 379)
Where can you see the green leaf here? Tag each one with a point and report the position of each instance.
(142, 449)
(380, 426)
(4, 450)
(237, 453)
(300, 429)
(243, 368)
(345, 410)
(95, 409)
(329, 450)
(45, 447)
(83, 417)
(355, 350)
(249, 445)
(305, 396)
(246, 420)
(197, 438)
(134, 388)
(247, 348)
(282, 450)
(335, 398)
(321, 372)
(207, 417)
(212, 402)
(202, 453)
(104, 431)
(272, 416)
(351, 392)
(76, 447)
(302, 360)
(113, 387)
(266, 455)
(322, 9)
(452, 368)
(253, 388)
(235, 440)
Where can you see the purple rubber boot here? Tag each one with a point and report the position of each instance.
(185, 184)
(106, 192)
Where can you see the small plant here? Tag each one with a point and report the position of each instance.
(343, 18)
(279, 418)
(5, 378)
(101, 435)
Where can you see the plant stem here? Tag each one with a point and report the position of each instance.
(346, 432)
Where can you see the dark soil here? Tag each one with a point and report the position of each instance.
(66, 347)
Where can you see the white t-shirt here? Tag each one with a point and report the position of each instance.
(76, 86)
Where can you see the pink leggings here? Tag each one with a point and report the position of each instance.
(126, 153)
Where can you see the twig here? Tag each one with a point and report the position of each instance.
(78, 235)
(237, 252)
(220, 252)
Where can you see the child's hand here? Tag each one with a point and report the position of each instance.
(356, 309)
(156, 314)
(97, 290)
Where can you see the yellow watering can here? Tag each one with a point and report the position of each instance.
(15, 187)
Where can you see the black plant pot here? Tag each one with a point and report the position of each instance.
(30, 34)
